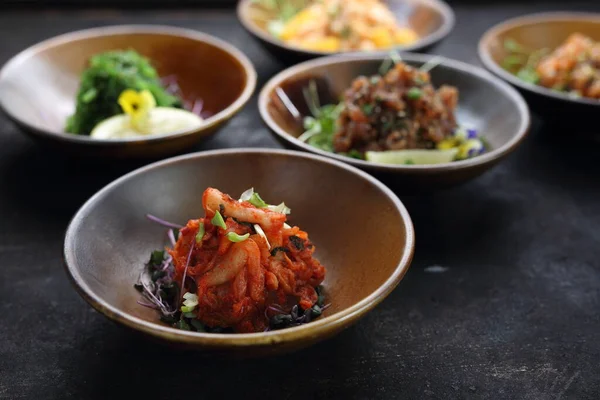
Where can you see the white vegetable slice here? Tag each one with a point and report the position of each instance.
(260, 231)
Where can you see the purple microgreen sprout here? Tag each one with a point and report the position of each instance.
(163, 222)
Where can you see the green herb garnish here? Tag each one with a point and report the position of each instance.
(367, 109)
(513, 46)
(414, 93)
(157, 257)
(353, 153)
(521, 62)
(200, 233)
(321, 129)
(218, 220)
(256, 201)
(389, 62)
(513, 60)
(235, 238)
(528, 75)
(282, 11)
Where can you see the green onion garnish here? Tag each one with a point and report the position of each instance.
(235, 238)
(512, 46)
(190, 302)
(414, 93)
(200, 233)
(256, 201)
(186, 309)
(218, 220)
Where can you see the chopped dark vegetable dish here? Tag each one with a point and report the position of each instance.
(395, 117)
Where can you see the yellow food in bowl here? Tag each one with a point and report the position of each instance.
(345, 25)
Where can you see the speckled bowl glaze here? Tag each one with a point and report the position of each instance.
(362, 233)
(38, 86)
(486, 103)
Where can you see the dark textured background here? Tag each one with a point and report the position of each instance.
(515, 315)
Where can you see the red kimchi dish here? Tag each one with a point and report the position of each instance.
(241, 268)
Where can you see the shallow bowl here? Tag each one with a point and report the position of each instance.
(537, 31)
(362, 233)
(432, 20)
(486, 103)
(38, 86)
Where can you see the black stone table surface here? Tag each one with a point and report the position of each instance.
(502, 300)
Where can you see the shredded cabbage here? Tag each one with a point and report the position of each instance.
(260, 231)
(282, 209)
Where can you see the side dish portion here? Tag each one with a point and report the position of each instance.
(241, 268)
(121, 95)
(337, 25)
(572, 68)
(394, 117)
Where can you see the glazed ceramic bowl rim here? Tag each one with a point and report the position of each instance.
(315, 328)
(446, 12)
(554, 16)
(485, 158)
(113, 30)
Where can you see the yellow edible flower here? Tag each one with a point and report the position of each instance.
(448, 144)
(138, 106)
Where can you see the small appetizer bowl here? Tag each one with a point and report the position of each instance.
(486, 104)
(537, 31)
(432, 20)
(362, 233)
(38, 86)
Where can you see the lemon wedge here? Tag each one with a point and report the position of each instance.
(408, 157)
(161, 121)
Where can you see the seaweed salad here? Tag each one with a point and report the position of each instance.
(107, 76)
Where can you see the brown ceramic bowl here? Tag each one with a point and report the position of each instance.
(38, 86)
(363, 234)
(431, 19)
(486, 103)
(546, 30)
